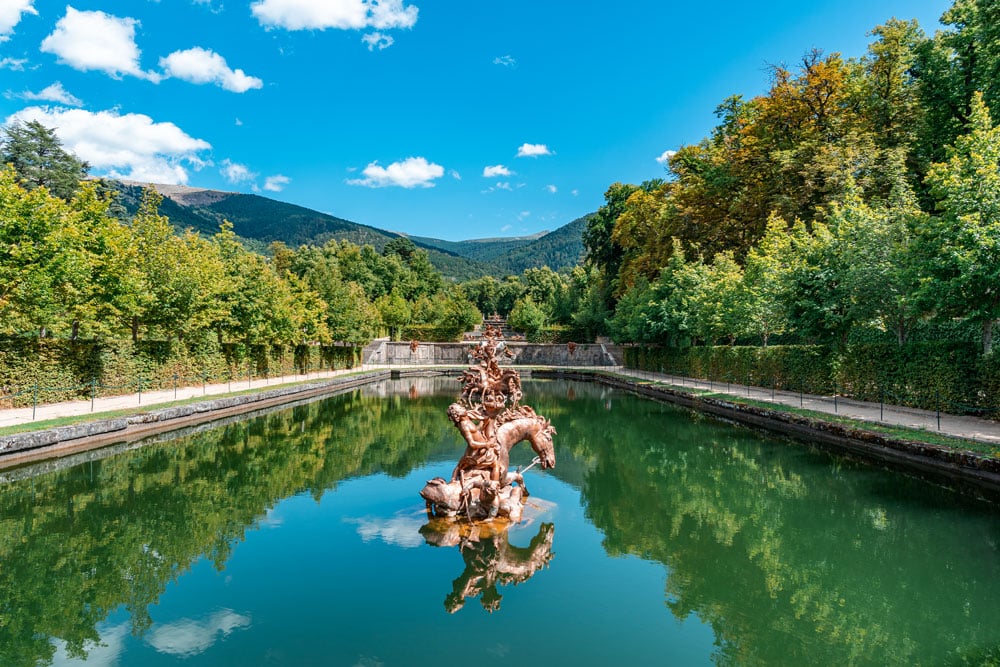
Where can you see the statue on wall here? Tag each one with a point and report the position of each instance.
(491, 421)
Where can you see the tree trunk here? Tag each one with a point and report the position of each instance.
(135, 329)
(76, 330)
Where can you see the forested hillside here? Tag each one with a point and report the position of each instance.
(260, 221)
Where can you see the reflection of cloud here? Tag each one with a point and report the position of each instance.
(104, 654)
(270, 520)
(400, 531)
(187, 637)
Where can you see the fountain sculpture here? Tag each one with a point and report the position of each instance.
(489, 417)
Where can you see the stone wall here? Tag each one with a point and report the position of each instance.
(526, 354)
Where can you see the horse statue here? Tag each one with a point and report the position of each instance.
(482, 486)
(491, 421)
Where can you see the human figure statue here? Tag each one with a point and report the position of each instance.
(482, 451)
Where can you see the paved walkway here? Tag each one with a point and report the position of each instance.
(966, 427)
(14, 416)
(971, 428)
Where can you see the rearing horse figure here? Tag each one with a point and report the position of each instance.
(491, 421)
(481, 483)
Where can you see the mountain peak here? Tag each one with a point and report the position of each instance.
(183, 194)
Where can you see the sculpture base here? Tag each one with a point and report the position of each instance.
(474, 499)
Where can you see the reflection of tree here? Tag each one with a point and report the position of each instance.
(490, 559)
(77, 544)
(790, 561)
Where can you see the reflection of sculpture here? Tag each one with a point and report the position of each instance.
(491, 422)
(490, 559)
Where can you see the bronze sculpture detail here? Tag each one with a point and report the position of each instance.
(491, 421)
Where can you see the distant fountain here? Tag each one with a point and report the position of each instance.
(489, 417)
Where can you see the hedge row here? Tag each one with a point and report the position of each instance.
(50, 370)
(948, 375)
(429, 333)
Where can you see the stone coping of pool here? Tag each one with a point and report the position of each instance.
(62, 440)
(967, 471)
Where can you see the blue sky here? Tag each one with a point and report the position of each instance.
(438, 118)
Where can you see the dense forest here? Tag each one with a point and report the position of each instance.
(857, 197)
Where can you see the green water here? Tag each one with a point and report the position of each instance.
(294, 538)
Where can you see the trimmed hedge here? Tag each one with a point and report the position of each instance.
(51, 370)
(949, 375)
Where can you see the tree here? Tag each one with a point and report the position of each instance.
(38, 158)
(526, 316)
(765, 278)
(394, 311)
(962, 245)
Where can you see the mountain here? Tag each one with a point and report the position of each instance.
(261, 220)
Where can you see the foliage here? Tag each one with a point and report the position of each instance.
(38, 158)
(526, 316)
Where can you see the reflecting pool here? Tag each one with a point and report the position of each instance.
(296, 537)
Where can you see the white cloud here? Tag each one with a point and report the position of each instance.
(235, 172)
(187, 637)
(533, 150)
(412, 172)
(523, 214)
(496, 170)
(506, 61)
(506, 228)
(14, 64)
(53, 93)
(378, 40)
(341, 14)
(198, 65)
(97, 41)
(130, 146)
(551, 188)
(276, 183)
(503, 186)
(575, 193)
(454, 174)
(665, 156)
(10, 15)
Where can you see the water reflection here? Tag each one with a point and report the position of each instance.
(490, 558)
(787, 556)
(186, 637)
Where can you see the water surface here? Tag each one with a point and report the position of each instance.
(662, 537)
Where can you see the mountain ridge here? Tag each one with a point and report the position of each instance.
(262, 220)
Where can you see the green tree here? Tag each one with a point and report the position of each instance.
(526, 316)
(39, 159)
(394, 311)
(962, 245)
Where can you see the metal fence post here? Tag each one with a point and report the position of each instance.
(175, 386)
(93, 391)
(937, 406)
(881, 405)
(34, 401)
(138, 386)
